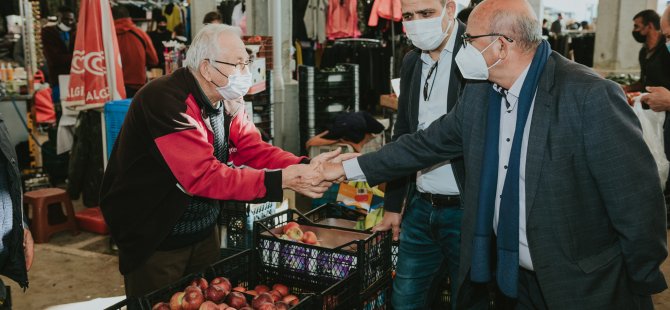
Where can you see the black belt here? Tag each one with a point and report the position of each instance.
(437, 200)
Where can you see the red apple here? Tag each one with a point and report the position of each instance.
(261, 299)
(224, 283)
(294, 302)
(192, 288)
(266, 306)
(281, 289)
(290, 225)
(240, 289)
(288, 298)
(251, 292)
(208, 305)
(246, 308)
(294, 233)
(236, 300)
(192, 300)
(223, 306)
(280, 305)
(275, 296)
(201, 283)
(261, 288)
(175, 301)
(215, 293)
(309, 237)
(161, 306)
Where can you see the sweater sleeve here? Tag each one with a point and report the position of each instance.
(252, 151)
(181, 138)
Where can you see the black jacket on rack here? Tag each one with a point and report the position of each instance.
(86, 162)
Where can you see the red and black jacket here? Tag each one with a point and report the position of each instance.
(164, 153)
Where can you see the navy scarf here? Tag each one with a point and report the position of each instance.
(507, 271)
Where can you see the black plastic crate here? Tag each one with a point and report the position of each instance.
(164, 294)
(378, 297)
(128, 304)
(371, 256)
(238, 218)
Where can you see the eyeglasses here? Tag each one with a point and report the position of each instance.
(467, 38)
(426, 94)
(240, 65)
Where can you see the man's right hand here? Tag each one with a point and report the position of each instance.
(305, 179)
(391, 221)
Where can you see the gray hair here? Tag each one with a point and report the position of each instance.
(524, 29)
(205, 45)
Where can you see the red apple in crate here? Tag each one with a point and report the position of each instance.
(281, 289)
(161, 306)
(223, 282)
(261, 299)
(192, 288)
(240, 289)
(222, 306)
(290, 225)
(275, 296)
(309, 237)
(266, 306)
(280, 305)
(236, 300)
(175, 301)
(252, 293)
(208, 305)
(192, 300)
(246, 308)
(201, 283)
(289, 298)
(261, 288)
(215, 294)
(294, 233)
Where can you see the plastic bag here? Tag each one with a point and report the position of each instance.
(652, 131)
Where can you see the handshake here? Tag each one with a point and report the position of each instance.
(314, 179)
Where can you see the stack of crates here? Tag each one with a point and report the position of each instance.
(364, 264)
(262, 109)
(324, 93)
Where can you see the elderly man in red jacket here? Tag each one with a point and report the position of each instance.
(186, 145)
(136, 50)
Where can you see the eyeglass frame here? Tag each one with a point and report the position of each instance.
(426, 94)
(466, 37)
(244, 63)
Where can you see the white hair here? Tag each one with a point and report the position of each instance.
(205, 45)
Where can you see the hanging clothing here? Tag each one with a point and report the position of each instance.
(315, 20)
(342, 19)
(173, 15)
(86, 163)
(299, 27)
(388, 9)
(226, 9)
(238, 14)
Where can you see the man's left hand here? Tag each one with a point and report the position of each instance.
(658, 98)
(28, 247)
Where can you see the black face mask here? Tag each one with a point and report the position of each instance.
(639, 37)
(162, 28)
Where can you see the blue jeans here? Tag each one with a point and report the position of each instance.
(429, 251)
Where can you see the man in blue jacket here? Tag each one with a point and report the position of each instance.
(16, 242)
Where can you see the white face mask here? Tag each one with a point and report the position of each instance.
(427, 34)
(63, 27)
(472, 64)
(238, 85)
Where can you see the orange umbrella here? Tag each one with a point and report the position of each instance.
(95, 75)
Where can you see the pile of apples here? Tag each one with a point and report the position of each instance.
(219, 294)
(292, 231)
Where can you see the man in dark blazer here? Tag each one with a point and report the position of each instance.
(431, 196)
(588, 205)
(58, 46)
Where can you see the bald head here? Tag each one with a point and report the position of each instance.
(513, 18)
(665, 24)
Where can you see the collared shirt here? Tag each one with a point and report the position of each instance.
(438, 179)
(508, 116)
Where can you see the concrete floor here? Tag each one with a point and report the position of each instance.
(71, 269)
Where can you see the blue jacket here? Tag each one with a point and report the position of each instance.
(15, 265)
